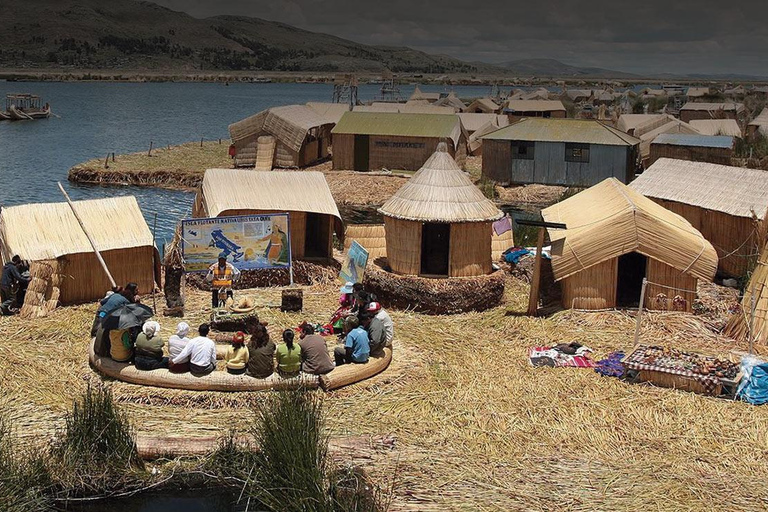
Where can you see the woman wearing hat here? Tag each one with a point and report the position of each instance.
(176, 344)
(149, 348)
(237, 355)
(346, 300)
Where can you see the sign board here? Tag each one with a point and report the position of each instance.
(249, 241)
(354, 264)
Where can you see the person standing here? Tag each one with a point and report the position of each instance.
(314, 352)
(200, 352)
(221, 275)
(10, 277)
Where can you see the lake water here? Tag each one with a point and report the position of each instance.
(96, 118)
(168, 501)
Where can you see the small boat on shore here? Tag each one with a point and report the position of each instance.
(21, 107)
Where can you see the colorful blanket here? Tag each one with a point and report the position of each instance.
(547, 356)
(633, 362)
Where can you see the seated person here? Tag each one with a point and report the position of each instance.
(261, 350)
(121, 344)
(200, 352)
(377, 337)
(176, 344)
(237, 355)
(386, 320)
(356, 348)
(288, 356)
(346, 300)
(149, 348)
(314, 353)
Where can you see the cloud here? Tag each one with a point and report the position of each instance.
(650, 36)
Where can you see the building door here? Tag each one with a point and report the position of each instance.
(316, 236)
(629, 281)
(361, 152)
(435, 245)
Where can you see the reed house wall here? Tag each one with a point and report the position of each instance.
(403, 245)
(392, 152)
(691, 153)
(470, 249)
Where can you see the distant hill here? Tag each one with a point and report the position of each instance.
(555, 68)
(128, 34)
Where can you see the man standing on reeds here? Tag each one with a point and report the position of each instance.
(11, 277)
(221, 275)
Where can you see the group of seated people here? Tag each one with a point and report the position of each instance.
(367, 329)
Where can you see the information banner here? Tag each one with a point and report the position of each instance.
(249, 241)
(354, 264)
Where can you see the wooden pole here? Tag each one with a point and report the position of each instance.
(106, 162)
(88, 235)
(752, 305)
(154, 231)
(640, 311)
(533, 300)
(149, 153)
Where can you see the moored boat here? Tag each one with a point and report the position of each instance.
(20, 107)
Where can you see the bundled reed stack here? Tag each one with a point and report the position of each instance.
(43, 291)
(174, 277)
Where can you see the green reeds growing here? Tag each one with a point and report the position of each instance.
(24, 477)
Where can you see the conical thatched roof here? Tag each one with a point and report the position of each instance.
(440, 192)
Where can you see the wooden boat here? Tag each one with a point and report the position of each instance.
(23, 107)
(223, 381)
(4, 116)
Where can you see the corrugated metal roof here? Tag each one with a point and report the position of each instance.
(563, 130)
(402, 125)
(732, 190)
(713, 106)
(702, 141)
(533, 106)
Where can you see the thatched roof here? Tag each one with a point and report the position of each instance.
(330, 112)
(738, 325)
(761, 122)
(426, 96)
(404, 108)
(611, 219)
(563, 130)
(513, 106)
(728, 127)
(628, 122)
(649, 130)
(280, 191)
(733, 190)
(50, 230)
(452, 101)
(401, 125)
(289, 124)
(440, 192)
(713, 107)
(472, 121)
(486, 105)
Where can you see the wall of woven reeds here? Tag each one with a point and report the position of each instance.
(497, 160)
(664, 299)
(285, 156)
(500, 243)
(738, 325)
(592, 288)
(403, 245)
(470, 250)
(245, 152)
(343, 151)
(689, 115)
(371, 236)
(732, 237)
(83, 280)
(691, 153)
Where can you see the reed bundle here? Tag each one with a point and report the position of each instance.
(530, 195)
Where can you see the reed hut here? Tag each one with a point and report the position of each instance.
(717, 127)
(291, 136)
(651, 129)
(371, 236)
(49, 236)
(305, 195)
(364, 141)
(483, 106)
(755, 299)
(758, 126)
(691, 111)
(716, 149)
(439, 224)
(517, 109)
(615, 237)
(720, 201)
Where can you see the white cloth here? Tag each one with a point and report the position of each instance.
(389, 326)
(200, 351)
(150, 328)
(176, 344)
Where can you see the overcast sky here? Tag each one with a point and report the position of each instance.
(677, 36)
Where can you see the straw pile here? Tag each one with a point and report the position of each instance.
(539, 196)
(43, 291)
(471, 424)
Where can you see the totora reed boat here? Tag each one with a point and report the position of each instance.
(21, 107)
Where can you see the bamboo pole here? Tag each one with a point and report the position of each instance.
(88, 235)
(640, 311)
(533, 300)
(154, 231)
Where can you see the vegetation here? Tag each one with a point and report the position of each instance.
(756, 147)
(24, 479)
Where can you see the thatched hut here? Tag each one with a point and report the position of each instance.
(370, 140)
(758, 126)
(716, 149)
(755, 298)
(305, 195)
(517, 109)
(728, 110)
(722, 202)
(49, 235)
(615, 237)
(291, 136)
(439, 223)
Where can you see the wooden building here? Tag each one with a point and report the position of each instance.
(517, 109)
(305, 195)
(290, 136)
(49, 235)
(439, 224)
(652, 128)
(567, 152)
(722, 202)
(691, 111)
(615, 237)
(365, 141)
(717, 149)
(758, 126)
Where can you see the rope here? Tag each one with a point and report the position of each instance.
(671, 287)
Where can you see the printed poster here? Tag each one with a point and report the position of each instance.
(354, 264)
(250, 242)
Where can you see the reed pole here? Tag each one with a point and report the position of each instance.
(640, 311)
(88, 235)
(752, 321)
(154, 231)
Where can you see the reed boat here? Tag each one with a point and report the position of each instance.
(23, 107)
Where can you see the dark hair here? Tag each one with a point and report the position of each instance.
(259, 336)
(351, 322)
(133, 287)
(16, 260)
(364, 316)
(251, 324)
(357, 287)
(307, 328)
(288, 338)
(129, 292)
(204, 329)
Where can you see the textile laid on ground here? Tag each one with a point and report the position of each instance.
(549, 356)
(754, 385)
(514, 254)
(611, 366)
(635, 361)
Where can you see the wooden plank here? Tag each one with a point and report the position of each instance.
(533, 301)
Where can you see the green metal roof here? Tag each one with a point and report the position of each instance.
(396, 124)
(563, 130)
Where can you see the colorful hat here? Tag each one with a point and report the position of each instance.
(374, 306)
(347, 288)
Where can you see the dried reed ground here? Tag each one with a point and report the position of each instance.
(476, 427)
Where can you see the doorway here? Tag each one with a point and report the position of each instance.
(362, 149)
(317, 236)
(629, 279)
(435, 249)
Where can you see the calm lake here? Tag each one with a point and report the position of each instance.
(96, 118)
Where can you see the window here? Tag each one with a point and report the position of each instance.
(522, 150)
(577, 153)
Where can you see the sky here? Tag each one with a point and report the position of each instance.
(643, 36)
